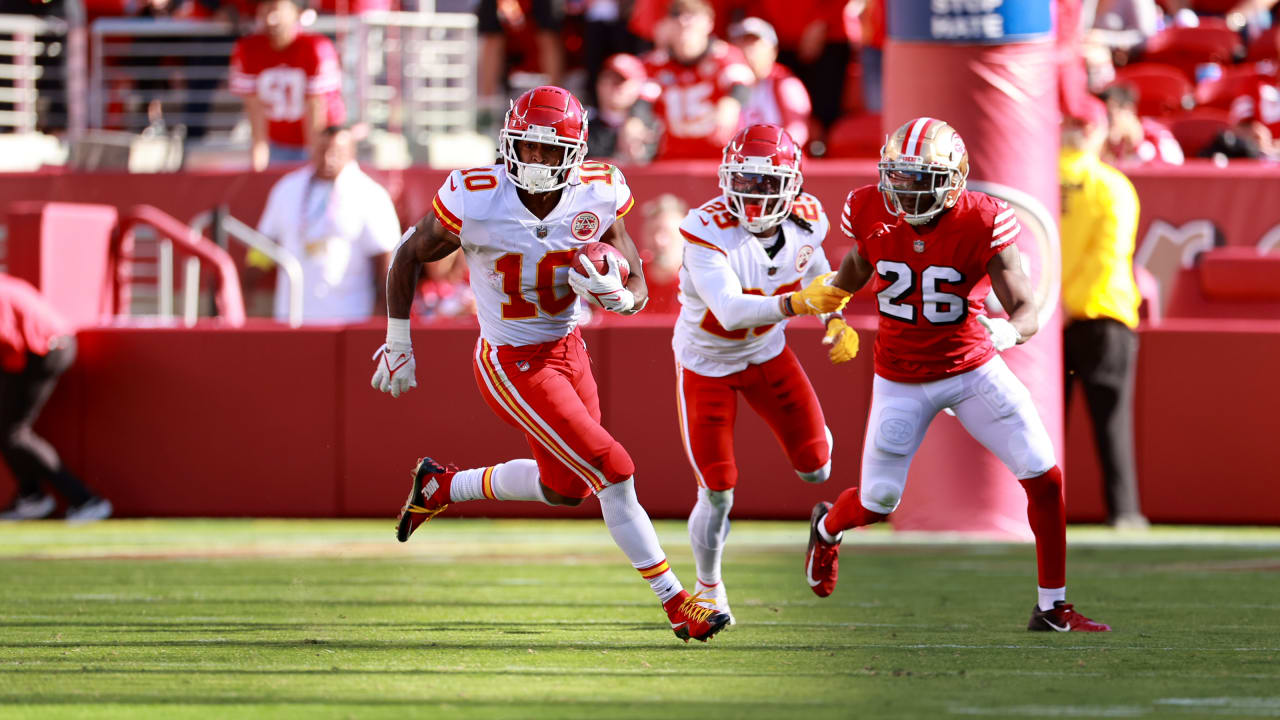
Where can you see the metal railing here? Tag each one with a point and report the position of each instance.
(237, 229)
(410, 73)
(41, 74)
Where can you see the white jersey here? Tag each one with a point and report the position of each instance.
(729, 317)
(518, 262)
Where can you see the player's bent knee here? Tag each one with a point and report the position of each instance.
(719, 476)
(555, 498)
(616, 464)
(719, 499)
(817, 476)
(881, 497)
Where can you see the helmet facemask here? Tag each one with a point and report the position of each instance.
(918, 192)
(760, 194)
(539, 177)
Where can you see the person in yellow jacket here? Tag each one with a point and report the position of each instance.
(1100, 302)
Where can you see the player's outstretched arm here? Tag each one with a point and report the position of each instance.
(1013, 290)
(618, 237)
(428, 241)
(854, 272)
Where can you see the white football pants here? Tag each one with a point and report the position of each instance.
(990, 401)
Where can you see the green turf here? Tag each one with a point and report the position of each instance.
(313, 619)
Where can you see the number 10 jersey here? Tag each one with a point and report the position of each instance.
(929, 282)
(519, 262)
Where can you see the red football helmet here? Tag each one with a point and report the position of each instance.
(760, 176)
(551, 116)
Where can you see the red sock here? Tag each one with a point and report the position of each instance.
(1047, 512)
(849, 513)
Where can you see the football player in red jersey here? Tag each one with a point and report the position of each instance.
(519, 223)
(291, 84)
(697, 86)
(932, 249)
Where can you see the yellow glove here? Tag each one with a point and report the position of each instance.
(818, 298)
(843, 341)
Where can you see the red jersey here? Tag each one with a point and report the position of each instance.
(27, 323)
(1261, 103)
(685, 97)
(284, 79)
(930, 281)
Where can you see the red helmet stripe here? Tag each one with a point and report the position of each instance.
(911, 143)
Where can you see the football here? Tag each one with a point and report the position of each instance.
(596, 253)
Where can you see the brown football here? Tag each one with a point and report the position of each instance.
(596, 253)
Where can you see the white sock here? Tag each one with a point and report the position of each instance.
(708, 531)
(511, 480)
(1050, 595)
(633, 532)
(826, 536)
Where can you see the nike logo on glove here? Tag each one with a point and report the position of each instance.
(808, 574)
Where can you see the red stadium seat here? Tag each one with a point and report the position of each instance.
(855, 136)
(1266, 46)
(1198, 128)
(1186, 47)
(1162, 90)
(1235, 81)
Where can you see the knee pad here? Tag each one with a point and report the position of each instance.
(721, 500)
(813, 455)
(616, 464)
(881, 497)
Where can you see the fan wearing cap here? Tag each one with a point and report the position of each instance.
(291, 84)
(753, 258)
(697, 85)
(778, 97)
(618, 88)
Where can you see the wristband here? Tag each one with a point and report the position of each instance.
(398, 331)
(786, 305)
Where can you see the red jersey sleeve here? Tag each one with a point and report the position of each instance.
(447, 203)
(243, 77)
(324, 75)
(733, 69)
(1003, 221)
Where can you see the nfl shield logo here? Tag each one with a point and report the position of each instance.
(919, 246)
(540, 231)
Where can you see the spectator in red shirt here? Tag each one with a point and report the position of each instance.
(36, 347)
(814, 42)
(697, 86)
(778, 98)
(1132, 139)
(291, 84)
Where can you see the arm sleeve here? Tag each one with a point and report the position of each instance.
(241, 81)
(1004, 231)
(846, 225)
(624, 201)
(719, 287)
(325, 75)
(1118, 230)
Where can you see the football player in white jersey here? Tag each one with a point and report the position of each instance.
(519, 223)
(748, 254)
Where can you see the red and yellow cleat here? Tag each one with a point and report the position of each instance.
(428, 497)
(1063, 618)
(692, 618)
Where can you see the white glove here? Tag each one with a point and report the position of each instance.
(1003, 334)
(606, 290)
(397, 371)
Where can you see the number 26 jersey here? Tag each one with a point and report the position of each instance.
(929, 282)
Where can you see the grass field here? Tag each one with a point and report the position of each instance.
(318, 619)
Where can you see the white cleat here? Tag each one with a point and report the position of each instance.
(717, 593)
(91, 511)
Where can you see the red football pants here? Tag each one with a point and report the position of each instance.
(548, 393)
(780, 393)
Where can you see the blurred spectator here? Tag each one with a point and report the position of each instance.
(291, 84)
(1250, 136)
(1100, 301)
(812, 40)
(697, 86)
(1251, 15)
(1124, 24)
(662, 251)
(36, 346)
(446, 291)
(1134, 139)
(778, 98)
(1260, 105)
(341, 226)
(871, 55)
(621, 80)
(502, 24)
(605, 33)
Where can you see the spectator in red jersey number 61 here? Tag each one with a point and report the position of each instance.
(291, 84)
